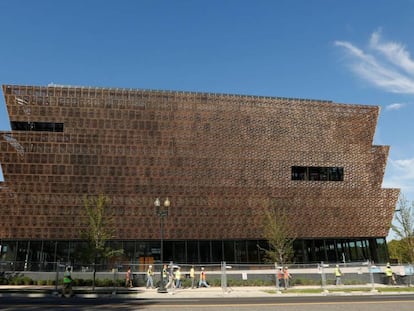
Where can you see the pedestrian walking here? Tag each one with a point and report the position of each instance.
(286, 277)
(390, 275)
(279, 277)
(178, 278)
(67, 283)
(171, 283)
(128, 278)
(150, 281)
(192, 276)
(203, 279)
(338, 275)
(165, 274)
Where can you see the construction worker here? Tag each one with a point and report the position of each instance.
(279, 277)
(150, 281)
(390, 275)
(192, 276)
(178, 278)
(338, 274)
(286, 277)
(203, 281)
(165, 275)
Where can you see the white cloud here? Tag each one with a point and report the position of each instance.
(400, 174)
(406, 165)
(386, 65)
(394, 52)
(395, 106)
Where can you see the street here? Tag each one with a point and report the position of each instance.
(320, 303)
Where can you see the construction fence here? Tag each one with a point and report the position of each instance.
(221, 274)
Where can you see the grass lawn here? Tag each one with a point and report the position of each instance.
(343, 290)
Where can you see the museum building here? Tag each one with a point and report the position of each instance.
(220, 159)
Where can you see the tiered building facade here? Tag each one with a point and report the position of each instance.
(220, 159)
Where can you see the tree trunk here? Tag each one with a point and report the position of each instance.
(94, 275)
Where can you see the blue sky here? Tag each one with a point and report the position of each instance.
(356, 52)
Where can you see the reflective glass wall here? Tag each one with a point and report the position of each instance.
(41, 255)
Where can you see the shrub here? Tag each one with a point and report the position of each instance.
(353, 282)
(78, 282)
(27, 281)
(18, 280)
(104, 283)
(302, 281)
(186, 283)
(4, 281)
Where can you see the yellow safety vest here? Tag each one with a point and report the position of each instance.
(67, 278)
(388, 271)
(338, 272)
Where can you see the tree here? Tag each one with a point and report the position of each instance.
(404, 229)
(397, 251)
(277, 232)
(99, 228)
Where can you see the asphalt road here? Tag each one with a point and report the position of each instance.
(321, 303)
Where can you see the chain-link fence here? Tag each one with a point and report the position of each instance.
(221, 274)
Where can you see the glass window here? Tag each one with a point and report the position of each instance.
(62, 251)
(319, 250)
(382, 253)
(205, 251)
(37, 126)
(8, 250)
(330, 250)
(299, 173)
(129, 250)
(353, 251)
(217, 251)
(179, 251)
(168, 251)
(336, 173)
(314, 173)
(253, 251)
(240, 250)
(317, 173)
(323, 173)
(192, 252)
(228, 251)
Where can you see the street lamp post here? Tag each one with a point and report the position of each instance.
(162, 211)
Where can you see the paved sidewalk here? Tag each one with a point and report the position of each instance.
(211, 292)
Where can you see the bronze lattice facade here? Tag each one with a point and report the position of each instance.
(219, 158)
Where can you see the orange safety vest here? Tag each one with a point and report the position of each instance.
(279, 275)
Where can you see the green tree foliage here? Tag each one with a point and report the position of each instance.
(398, 251)
(403, 250)
(98, 226)
(278, 233)
(98, 229)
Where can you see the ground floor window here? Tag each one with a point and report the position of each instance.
(341, 250)
(42, 255)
